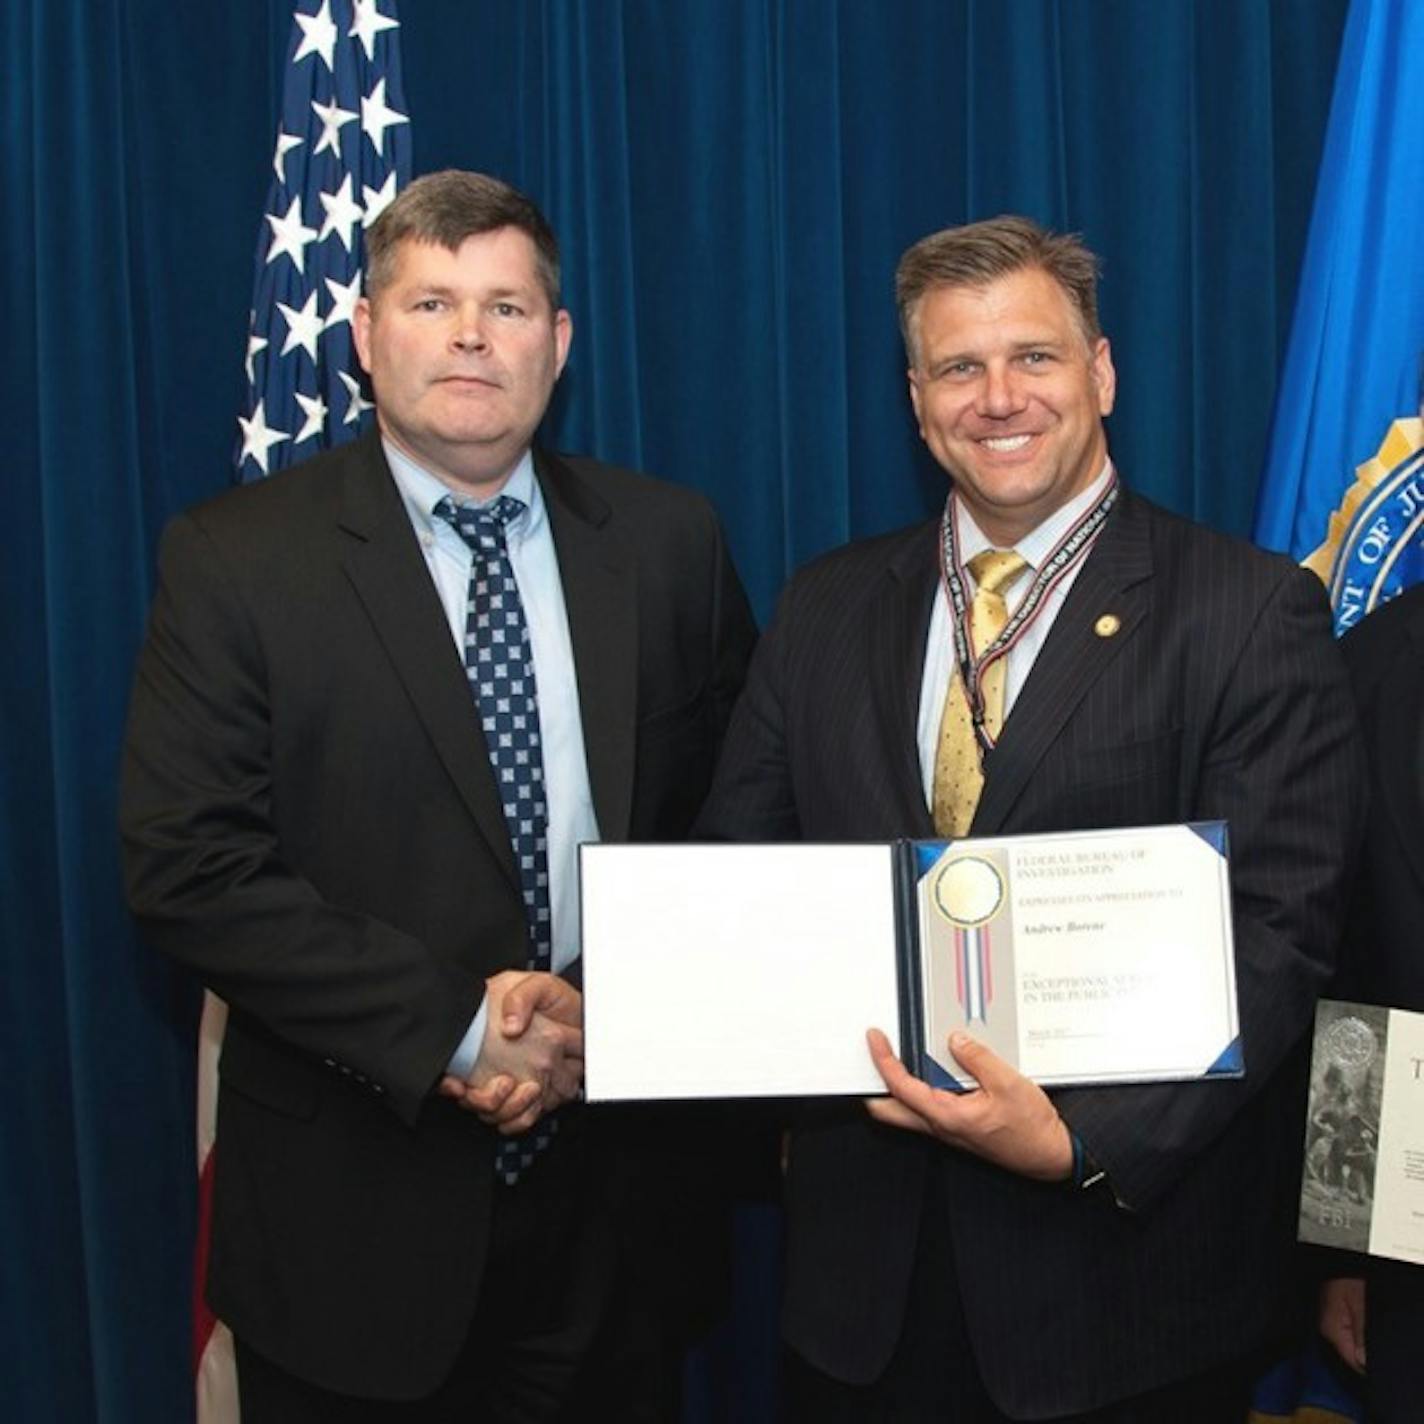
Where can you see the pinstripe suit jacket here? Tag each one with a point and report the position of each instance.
(1221, 695)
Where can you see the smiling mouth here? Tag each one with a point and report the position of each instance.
(1005, 444)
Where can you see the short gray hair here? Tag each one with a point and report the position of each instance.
(447, 207)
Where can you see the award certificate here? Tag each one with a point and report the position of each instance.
(755, 970)
(1101, 956)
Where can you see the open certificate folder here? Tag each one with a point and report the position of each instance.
(755, 970)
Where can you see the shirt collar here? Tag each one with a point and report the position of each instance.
(421, 492)
(1037, 545)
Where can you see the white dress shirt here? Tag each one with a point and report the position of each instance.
(535, 563)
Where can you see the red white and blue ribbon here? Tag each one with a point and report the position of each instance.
(1069, 551)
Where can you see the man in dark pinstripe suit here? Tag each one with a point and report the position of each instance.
(1107, 1254)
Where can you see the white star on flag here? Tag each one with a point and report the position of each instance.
(333, 119)
(304, 327)
(318, 35)
(377, 200)
(290, 235)
(359, 402)
(342, 84)
(343, 212)
(376, 117)
(258, 437)
(344, 296)
(255, 345)
(285, 144)
(368, 22)
(314, 408)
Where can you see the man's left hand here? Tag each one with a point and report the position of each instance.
(1007, 1119)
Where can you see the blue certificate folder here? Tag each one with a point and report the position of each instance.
(1087, 957)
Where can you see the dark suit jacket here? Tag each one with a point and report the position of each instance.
(311, 823)
(1383, 961)
(1383, 957)
(1220, 695)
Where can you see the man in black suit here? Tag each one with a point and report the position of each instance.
(1376, 1321)
(382, 699)
(1103, 1253)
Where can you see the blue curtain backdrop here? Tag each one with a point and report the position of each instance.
(733, 181)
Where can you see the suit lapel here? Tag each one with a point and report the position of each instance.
(898, 630)
(384, 564)
(599, 578)
(1113, 581)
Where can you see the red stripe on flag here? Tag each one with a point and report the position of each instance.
(203, 1318)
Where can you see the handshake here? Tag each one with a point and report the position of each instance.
(531, 1060)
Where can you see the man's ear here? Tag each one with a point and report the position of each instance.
(913, 376)
(1104, 375)
(563, 339)
(361, 332)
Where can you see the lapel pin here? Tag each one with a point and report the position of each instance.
(1107, 625)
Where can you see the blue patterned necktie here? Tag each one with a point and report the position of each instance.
(500, 667)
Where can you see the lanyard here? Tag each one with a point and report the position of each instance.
(1069, 551)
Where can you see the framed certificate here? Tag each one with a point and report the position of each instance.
(751, 970)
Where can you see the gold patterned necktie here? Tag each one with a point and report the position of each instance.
(958, 773)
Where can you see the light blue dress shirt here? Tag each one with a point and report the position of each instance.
(535, 562)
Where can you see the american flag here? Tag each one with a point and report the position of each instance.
(342, 152)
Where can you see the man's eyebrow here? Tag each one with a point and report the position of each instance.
(492, 294)
(1027, 343)
(950, 358)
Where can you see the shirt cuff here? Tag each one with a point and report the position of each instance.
(462, 1060)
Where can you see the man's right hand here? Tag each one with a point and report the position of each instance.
(1007, 1119)
(1342, 1319)
(531, 1060)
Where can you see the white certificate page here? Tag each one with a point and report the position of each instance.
(736, 970)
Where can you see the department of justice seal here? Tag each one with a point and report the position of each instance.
(1373, 545)
(969, 891)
